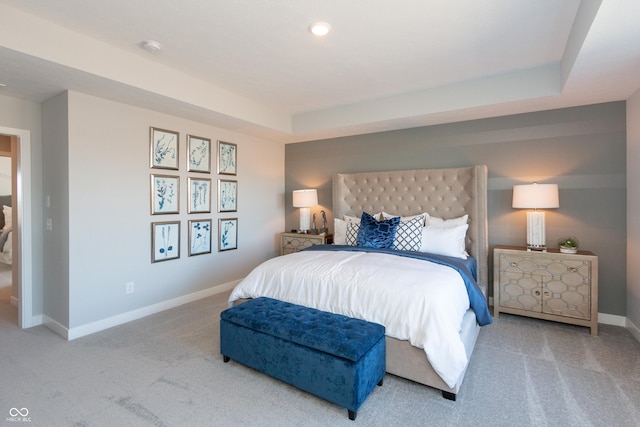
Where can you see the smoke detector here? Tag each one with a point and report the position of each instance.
(151, 46)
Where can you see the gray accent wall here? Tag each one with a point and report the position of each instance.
(582, 149)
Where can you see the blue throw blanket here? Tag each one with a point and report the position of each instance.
(466, 268)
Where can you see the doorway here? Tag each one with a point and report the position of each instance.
(8, 293)
(22, 273)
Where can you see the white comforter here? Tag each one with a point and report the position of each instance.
(415, 300)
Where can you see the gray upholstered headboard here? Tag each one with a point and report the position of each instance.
(443, 193)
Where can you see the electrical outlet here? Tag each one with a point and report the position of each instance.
(130, 288)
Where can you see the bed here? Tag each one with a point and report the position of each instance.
(6, 243)
(452, 194)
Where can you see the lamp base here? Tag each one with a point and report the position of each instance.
(535, 231)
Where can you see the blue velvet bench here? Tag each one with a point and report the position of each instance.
(334, 357)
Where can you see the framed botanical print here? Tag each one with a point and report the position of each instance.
(199, 237)
(199, 152)
(227, 234)
(199, 195)
(165, 241)
(227, 158)
(163, 148)
(227, 195)
(165, 194)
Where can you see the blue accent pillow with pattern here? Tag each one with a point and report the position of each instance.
(377, 234)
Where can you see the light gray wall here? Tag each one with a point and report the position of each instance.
(108, 210)
(633, 207)
(25, 115)
(55, 127)
(582, 149)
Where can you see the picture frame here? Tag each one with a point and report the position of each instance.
(227, 195)
(227, 158)
(198, 154)
(165, 241)
(163, 148)
(227, 234)
(199, 237)
(165, 194)
(199, 195)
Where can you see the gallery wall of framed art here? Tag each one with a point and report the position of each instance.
(166, 191)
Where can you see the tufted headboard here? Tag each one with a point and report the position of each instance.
(443, 193)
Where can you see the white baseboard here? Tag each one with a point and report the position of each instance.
(56, 327)
(611, 319)
(635, 331)
(100, 325)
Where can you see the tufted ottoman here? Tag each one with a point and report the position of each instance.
(334, 357)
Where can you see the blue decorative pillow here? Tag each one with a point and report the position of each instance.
(377, 234)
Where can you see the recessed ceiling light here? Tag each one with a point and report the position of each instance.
(319, 29)
(151, 46)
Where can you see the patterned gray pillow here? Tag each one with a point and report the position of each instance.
(409, 235)
(352, 233)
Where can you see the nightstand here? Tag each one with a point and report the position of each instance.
(294, 242)
(546, 285)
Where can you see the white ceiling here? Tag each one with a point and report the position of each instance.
(252, 65)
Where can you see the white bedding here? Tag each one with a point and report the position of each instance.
(415, 300)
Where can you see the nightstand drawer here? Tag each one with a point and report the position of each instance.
(294, 242)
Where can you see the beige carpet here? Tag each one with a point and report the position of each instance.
(166, 370)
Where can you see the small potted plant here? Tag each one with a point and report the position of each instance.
(568, 245)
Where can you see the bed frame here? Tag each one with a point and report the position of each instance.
(443, 193)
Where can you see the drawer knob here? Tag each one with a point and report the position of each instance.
(573, 269)
(514, 264)
(547, 293)
(537, 293)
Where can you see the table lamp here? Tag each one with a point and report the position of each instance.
(536, 196)
(304, 199)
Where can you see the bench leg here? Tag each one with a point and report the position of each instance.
(380, 382)
(225, 359)
(448, 395)
(352, 415)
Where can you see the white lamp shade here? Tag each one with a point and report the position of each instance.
(305, 198)
(536, 196)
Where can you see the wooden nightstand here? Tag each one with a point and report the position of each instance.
(546, 285)
(293, 242)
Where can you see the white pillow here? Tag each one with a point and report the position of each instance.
(404, 218)
(339, 231)
(6, 211)
(449, 241)
(356, 219)
(352, 219)
(439, 222)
